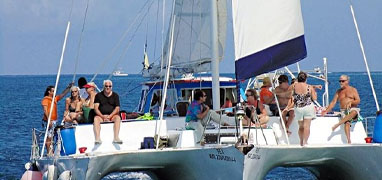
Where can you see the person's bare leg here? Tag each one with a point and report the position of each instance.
(306, 130)
(348, 117)
(97, 127)
(347, 131)
(290, 118)
(301, 132)
(117, 124)
(49, 149)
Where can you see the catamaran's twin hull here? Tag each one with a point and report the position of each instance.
(224, 162)
(350, 162)
(184, 159)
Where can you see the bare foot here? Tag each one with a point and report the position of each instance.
(335, 127)
(289, 133)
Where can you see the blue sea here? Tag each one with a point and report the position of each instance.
(20, 107)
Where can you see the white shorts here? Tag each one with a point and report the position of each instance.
(306, 112)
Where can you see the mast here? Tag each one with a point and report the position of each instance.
(215, 56)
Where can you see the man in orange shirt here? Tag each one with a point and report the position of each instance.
(46, 104)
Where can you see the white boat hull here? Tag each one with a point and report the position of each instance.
(326, 153)
(325, 162)
(224, 162)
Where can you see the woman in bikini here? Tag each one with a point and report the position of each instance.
(73, 111)
(302, 100)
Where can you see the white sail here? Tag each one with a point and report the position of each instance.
(268, 35)
(192, 38)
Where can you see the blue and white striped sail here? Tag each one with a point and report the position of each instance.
(268, 34)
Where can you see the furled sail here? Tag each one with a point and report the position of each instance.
(192, 44)
(268, 35)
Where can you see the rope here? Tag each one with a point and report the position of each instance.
(364, 55)
(118, 44)
(156, 28)
(80, 42)
(129, 43)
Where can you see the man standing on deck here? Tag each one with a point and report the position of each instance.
(46, 103)
(106, 107)
(349, 100)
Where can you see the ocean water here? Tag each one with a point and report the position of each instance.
(20, 107)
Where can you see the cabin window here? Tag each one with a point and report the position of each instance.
(156, 101)
(187, 95)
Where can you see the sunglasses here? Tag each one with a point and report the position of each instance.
(107, 86)
(341, 81)
(248, 95)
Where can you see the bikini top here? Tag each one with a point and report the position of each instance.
(71, 109)
(302, 100)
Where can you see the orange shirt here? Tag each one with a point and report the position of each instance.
(47, 101)
(265, 92)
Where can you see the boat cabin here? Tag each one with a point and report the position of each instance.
(180, 94)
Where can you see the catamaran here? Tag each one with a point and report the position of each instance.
(268, 35)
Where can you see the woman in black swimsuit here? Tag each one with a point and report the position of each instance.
(73, 111)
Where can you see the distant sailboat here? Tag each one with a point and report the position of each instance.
(119, 73)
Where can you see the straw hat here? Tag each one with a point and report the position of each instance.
(267, 81)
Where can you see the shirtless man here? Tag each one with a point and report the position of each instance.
(349, 100)
(284, 95)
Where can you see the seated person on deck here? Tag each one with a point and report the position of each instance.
(73, 112)
(227, 103)
(106, 107)
(284, 95)
(349, 100)
(267, 97)
(88, 105)
(253, 106)
(198, 115)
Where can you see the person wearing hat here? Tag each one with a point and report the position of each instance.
(81, 83)
(266, 96)
(88, 105)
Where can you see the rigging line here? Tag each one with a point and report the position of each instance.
(129, 43)
(162, 50)
(364, 55)
(192, 21)
(169, 59)
(57, 78)
(200, 48)
(119, 42)
(156, 29)
(80, 42)
(55, 88)
(71, 10)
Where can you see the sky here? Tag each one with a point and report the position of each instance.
(32, 34)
